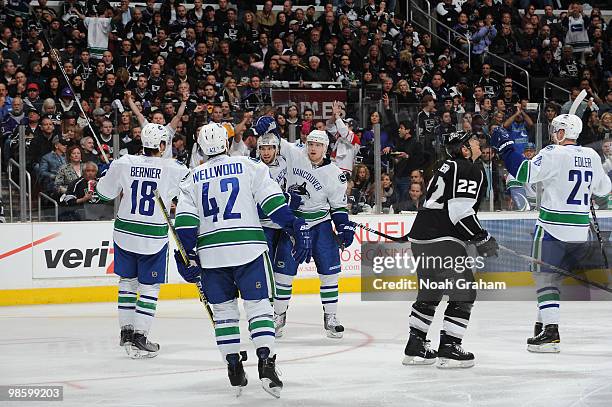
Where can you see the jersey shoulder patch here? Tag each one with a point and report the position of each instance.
(444, 167)
(257, 160)
(342, 177)
(549, 147)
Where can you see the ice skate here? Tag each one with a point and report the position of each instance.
(141, 347)
(267, 372)
(418, 352)
(452, 355)
(333, 327)
(235, 371)
(127, 334)
(547, 341)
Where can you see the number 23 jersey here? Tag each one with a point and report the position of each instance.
(453, 197)
(140, 226)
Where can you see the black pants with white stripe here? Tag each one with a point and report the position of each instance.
(442, 270)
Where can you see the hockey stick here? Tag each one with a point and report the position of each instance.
(595, 225)
(556, 269)
(530, 259)
(577, 101)
(53, 53)
(401, 239)
(183, 253)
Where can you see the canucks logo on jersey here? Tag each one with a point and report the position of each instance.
(300, 190)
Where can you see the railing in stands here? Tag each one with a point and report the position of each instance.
(433, 23)
(47, 198)
(548, 83)
(12, 184)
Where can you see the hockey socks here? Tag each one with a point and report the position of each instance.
(548, 304)
(126, 301)
(422, 315)
(227, 330)
(283, 285)
(456, 318)
(261, 323)
(329, 292)
(145, 307)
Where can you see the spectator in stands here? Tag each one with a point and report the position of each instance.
(409, 157)
(50, 164)
(42, 143)
(13, 119)
(427, 121)
(361, 189)
(413, 202)
(70, 171)
(388, 194)
(518, 126)
(482, 38)
(79, 192)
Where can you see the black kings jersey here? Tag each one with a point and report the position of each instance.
(452, 200)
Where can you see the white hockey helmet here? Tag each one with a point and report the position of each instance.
(268, 139)
(318, 136)
(152, 135)
(571, 123)
(213, 139)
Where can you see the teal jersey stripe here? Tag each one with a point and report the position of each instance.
(565, 218)
(232, 236)
(186, 220)
(522, 174)
(311, 216)
(142, 229)
(272, 203)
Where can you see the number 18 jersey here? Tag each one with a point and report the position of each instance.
(139, 225)
(220, 201)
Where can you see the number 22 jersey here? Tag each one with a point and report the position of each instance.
(139, 225)
(453, 196)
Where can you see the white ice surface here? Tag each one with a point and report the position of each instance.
(76, 346)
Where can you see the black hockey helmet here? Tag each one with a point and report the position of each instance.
(455, 140)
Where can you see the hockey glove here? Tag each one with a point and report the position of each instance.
(191, 273)
(293, 200)
(501, 140)
(486, 245)
(346, 233)
(302, 248)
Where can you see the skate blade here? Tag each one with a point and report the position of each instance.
(545, 348)
(135, 353)
(444, 363)
(417, 360)
(274, 391)
(334, 335)
(238, 389)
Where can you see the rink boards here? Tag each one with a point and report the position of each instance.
(67, 262)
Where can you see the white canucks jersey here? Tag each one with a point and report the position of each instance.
(140, 226)
(569, 174)
(220, 198)
(322, 188)
(278, 172)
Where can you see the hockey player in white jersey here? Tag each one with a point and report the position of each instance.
(268, 146)
(571, 174)
(141, 234)
(322, 188)
(218, 223)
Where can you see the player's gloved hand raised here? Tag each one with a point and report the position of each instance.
(191, 273)
(293, 200)
(302, 249)
(346, 233)
(486, 245)
(501, 140)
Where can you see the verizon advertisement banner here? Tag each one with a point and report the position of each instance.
(74, 249)
(320, 100)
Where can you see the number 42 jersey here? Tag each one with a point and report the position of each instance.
(139, 225)
(219, 200)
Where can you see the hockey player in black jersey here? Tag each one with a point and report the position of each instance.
(443, 228)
